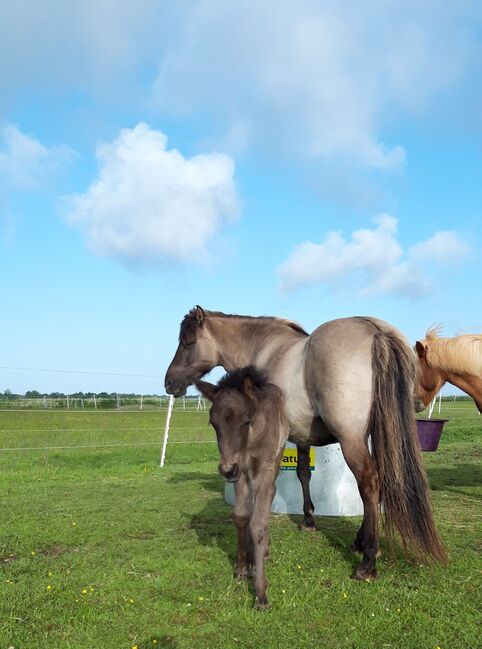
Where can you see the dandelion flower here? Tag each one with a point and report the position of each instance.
(201, 599)
(345, 595)
(84, 591)
(33, 553)
(299, 567)
(49, 587)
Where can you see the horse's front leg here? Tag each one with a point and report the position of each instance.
(258, 525)
(304, 476)
(241, 516)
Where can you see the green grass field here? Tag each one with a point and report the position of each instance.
(99, 547)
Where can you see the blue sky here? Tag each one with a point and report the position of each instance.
(304, 159)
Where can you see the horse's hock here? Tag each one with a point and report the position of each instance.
(333, 487)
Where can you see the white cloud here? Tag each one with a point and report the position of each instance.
(372, 262)
(321, 79)
(150, 204)
(25, 162)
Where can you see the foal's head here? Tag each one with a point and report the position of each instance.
(232, 411)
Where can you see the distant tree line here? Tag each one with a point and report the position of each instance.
(35, 394)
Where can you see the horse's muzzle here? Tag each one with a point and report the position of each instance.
(419, 405)
(176, 388)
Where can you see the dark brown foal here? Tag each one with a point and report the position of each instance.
(248, 415)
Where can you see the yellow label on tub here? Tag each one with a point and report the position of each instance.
(289, 461)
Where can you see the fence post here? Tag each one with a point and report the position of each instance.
(166, 429)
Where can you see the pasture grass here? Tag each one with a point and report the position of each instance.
(101, 548)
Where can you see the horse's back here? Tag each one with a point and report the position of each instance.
(338, 371)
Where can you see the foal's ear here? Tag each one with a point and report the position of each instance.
(420, 349)
(199, 315)
(207, 389)
(248, 385)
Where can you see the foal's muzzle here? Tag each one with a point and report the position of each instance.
(230, 472)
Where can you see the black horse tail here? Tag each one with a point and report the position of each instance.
(404, 490)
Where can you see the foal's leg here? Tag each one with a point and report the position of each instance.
(241, 516)
(360, 462)
(264, 493)
(304, 476)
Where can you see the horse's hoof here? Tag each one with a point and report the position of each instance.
(261, 606)
(365, 575)
(307, 527)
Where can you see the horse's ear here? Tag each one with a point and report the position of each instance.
(420, 349)
(199, 315)
(207, 389)
(248, 385)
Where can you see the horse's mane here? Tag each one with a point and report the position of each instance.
(236, 378)
(189, 323)
(462, 354)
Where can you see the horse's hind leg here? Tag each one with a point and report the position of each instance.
(357, 545)
(304, 476)
(360, 462)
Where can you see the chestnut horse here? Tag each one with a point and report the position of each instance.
(449, 360)
(248, 415)
(350, 380)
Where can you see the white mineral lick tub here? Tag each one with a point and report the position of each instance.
(333, 487)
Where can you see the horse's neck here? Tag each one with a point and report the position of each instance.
(469, 383)
(241, 342)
